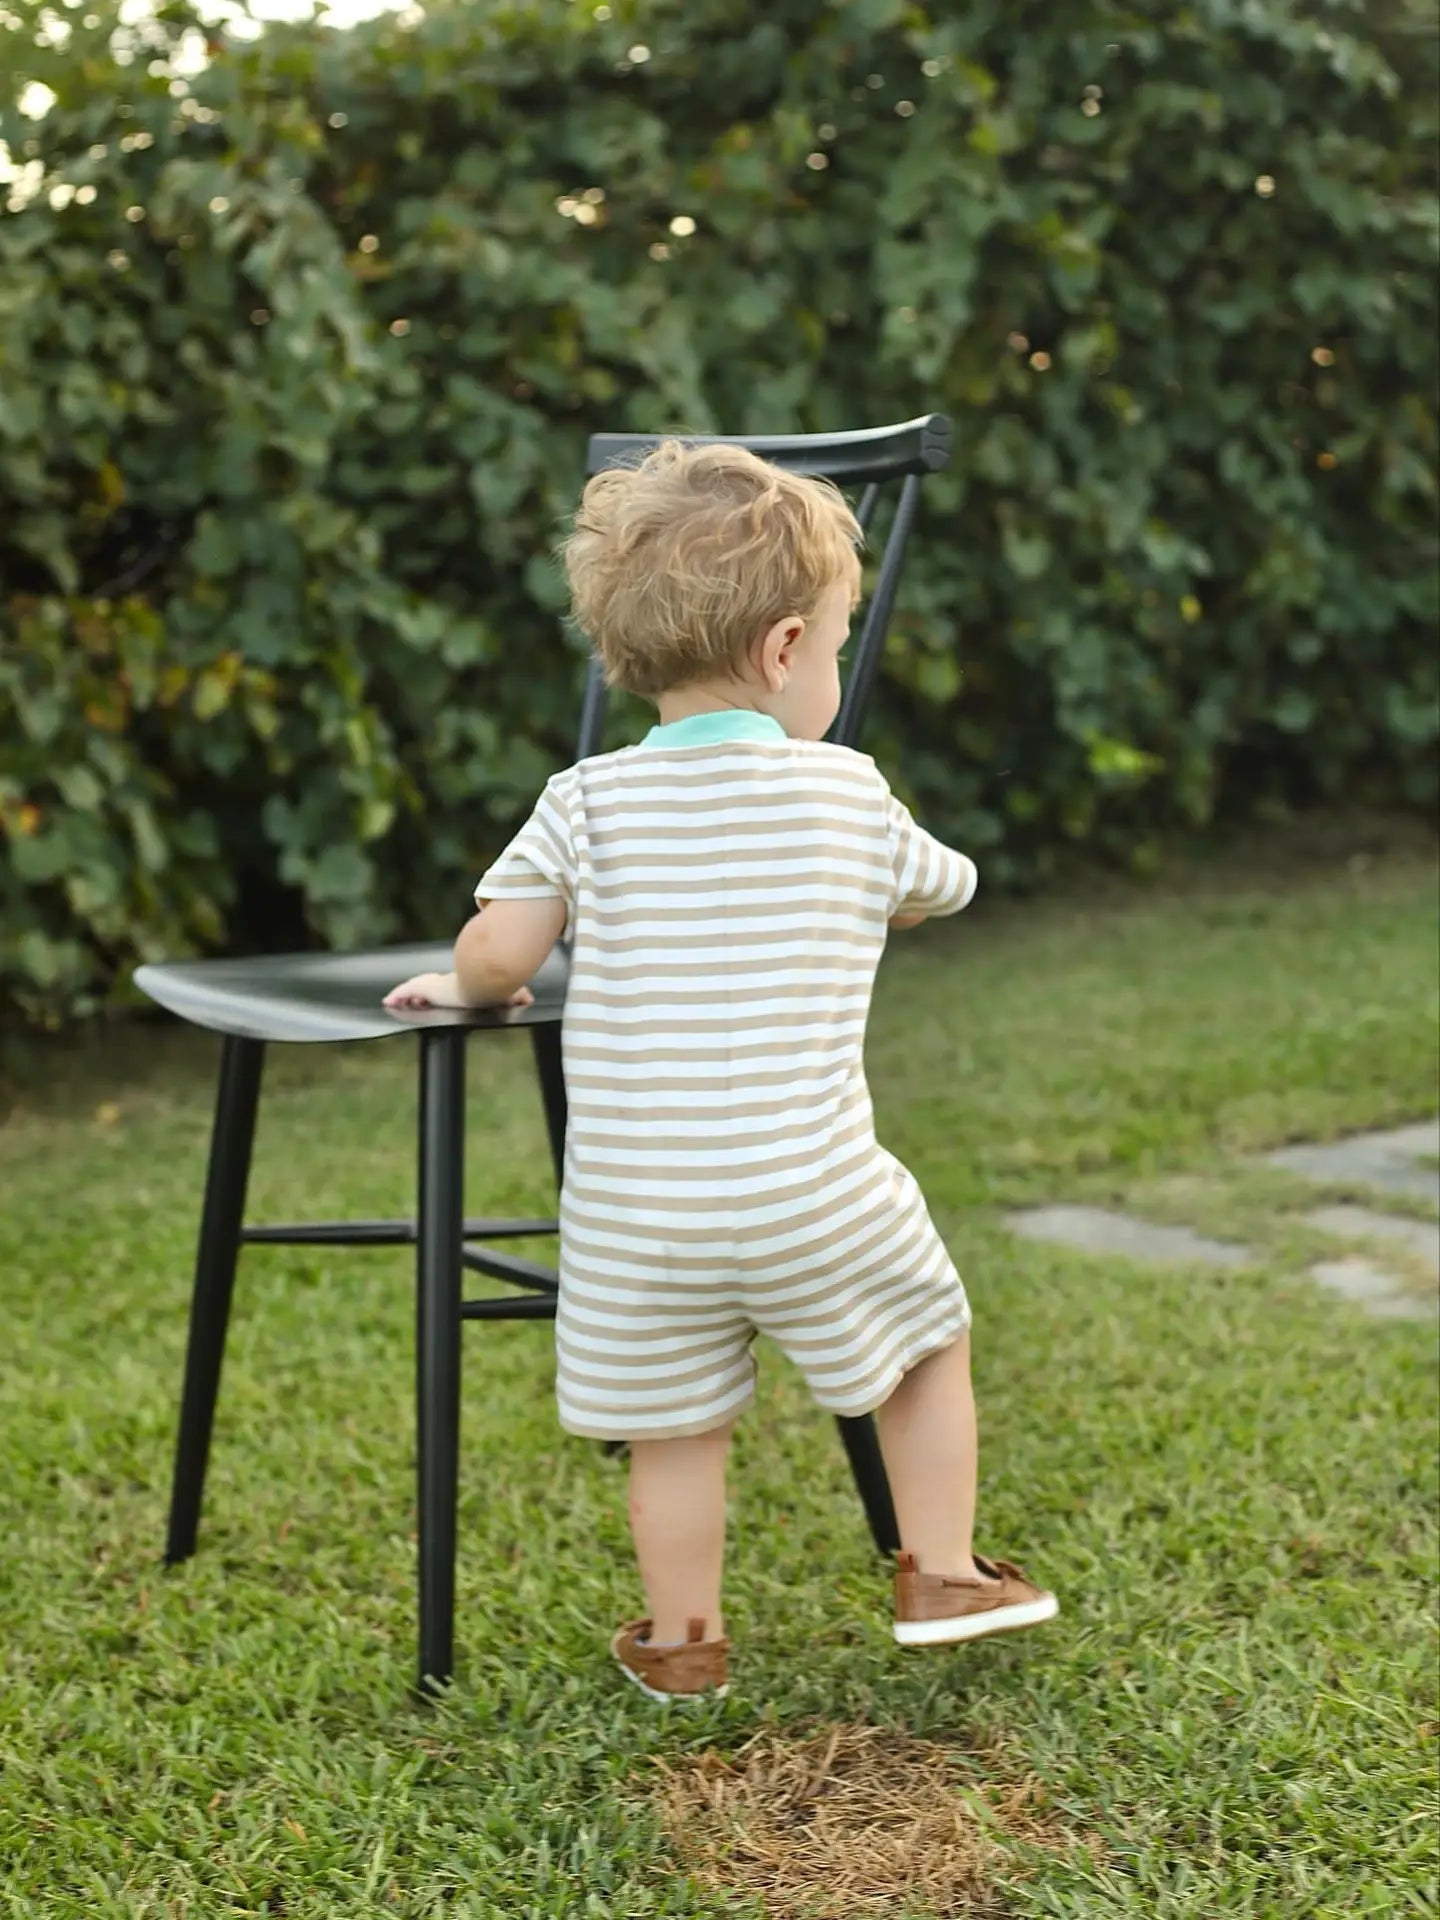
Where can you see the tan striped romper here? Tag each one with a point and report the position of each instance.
(728, 892)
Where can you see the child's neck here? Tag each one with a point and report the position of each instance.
(683, 703)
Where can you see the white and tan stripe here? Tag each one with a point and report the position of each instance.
(727, 907)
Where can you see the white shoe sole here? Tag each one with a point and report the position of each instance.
(974, 1626)
(654, 1693)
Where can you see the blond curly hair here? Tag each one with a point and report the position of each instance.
(678, 565)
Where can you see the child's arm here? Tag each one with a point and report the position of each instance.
(497, 953)
(527, 897)
(930, 878)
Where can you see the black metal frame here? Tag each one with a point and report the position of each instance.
(446, 1243)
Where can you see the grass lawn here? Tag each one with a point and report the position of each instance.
(1230, 1478)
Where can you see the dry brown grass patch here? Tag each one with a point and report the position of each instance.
(849, 1820)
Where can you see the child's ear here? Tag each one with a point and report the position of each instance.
(776, 653)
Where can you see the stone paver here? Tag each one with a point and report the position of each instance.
(1422, 1138)
(1355, 1279)
(1370, 1287)
(1386, 1159)
(1418, 1237)
(1405, 1306)
(1095, 1230)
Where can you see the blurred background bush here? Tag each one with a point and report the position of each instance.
(302, 333)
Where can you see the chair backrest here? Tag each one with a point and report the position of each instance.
(869, 459)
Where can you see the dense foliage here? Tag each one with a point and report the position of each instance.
(301, 334)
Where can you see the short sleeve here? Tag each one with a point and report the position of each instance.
(929, 877)
(539, 863)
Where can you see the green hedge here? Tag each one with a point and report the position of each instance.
(299, 347)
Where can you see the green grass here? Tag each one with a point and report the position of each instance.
(1230, 1478)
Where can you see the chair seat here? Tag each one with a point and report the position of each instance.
(330, 996)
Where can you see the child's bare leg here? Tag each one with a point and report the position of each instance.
(677, 1520)
(928, 1439)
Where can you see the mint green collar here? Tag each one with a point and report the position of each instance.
(709, 729)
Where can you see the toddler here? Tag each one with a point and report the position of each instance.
(726, 887)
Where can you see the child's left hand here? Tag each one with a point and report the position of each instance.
(443, 990)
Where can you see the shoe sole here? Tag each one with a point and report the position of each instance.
(654, 1693)
(974, 1626)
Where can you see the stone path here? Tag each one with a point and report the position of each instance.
(1389, 1162)
(1096, 1231)
(1421, 1238)
(1368, 1286)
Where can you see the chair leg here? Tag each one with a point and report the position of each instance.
(550, 1066)
(438, 1270)
(862, 1444)
(222, 1217)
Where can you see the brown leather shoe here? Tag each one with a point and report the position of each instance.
(701, 1666)
(933, 1609)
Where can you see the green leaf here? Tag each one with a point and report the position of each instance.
(149, 841)
(1027, 551)
(1293, 711)
(79, 787)
(339, 874)
(213, 689)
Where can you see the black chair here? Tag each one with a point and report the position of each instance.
(321, 996)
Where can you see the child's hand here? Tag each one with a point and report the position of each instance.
(443, 990)
(903, 922)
